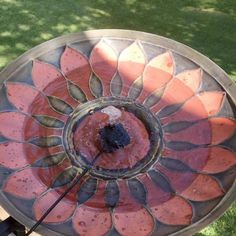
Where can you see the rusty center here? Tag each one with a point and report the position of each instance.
(127, 133)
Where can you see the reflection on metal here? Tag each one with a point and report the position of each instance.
(175, 176)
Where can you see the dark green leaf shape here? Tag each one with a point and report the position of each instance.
(87, 190)
(60, 106)
(137, 190)
(49, 121)
(160, 181)
(116, 85)
(136, 88)
(3, 139)
(51, 160)
(76, 92)
(174, 164)
(177, 126)
(49, 141)
(96, 86)
(181, 146)
(153, 98)
(112, 193)
(65, 177)
(168, 110)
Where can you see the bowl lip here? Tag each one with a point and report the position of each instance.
(204, 62)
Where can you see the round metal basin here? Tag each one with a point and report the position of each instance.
(175, 175)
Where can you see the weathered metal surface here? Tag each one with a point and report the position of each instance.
(176, 175)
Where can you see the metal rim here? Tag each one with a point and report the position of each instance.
(209, 66)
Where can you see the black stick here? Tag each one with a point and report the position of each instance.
(63, 195)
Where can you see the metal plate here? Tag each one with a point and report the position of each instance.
(173, 181)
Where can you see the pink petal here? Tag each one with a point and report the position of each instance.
(131, 65)
(199, 133)
(179, 180)
(222, 129)
(198, 107)
(211, 160)
(17, 155)
(103, 61)
(131, 218)
(194, 158)
(184, 86)
(203, 188)
(18, 126)
(157, 73)
(76, 68)
(176, 92)
(212, 101)
(155, 195)
(192, 78)
(175, 211)
(49, 79)
(219, 160)
(29, 100)
(12, 125)
(25, 184)
(22, 96)
(93, 219)
(62, 211)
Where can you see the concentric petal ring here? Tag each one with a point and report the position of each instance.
(181, 156)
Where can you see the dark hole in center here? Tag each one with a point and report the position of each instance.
(114, 137)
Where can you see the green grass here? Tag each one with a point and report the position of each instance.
(208, 26)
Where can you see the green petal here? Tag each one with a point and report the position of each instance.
(76, 92)
(51, 160)
(49, 121)
(65, 177)
(46, 141)
(60, 106)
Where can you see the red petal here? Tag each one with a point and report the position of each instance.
(49, 79)
(155, 195)
(175, 211)
(29, 100)
(157, 73)
(17, 155)
(176, 92)
(14, 125)
(192, 78)
(76, 68)
(199, 107)
(60, 213)
(103, 61)
(25, 184)
(222, 129)
(203, 188)
(194, 158)
(179, 180)
(131, 218)
(92, 219)
(199, 133)
(131, 65)
(219, 160)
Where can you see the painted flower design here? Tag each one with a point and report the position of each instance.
(185, 174)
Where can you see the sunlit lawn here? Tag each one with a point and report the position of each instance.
(208, 26)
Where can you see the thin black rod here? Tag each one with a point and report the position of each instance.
(63, 195)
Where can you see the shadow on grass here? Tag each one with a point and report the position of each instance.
(207, 27)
